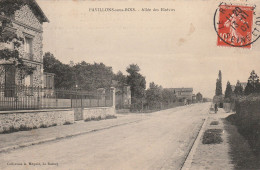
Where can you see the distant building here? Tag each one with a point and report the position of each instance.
(194, 98)
(180, 93)
(183, 94)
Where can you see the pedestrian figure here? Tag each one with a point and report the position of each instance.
(216, 108)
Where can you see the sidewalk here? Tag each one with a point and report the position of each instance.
(213, 156)
(26, 138)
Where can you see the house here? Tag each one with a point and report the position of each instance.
(27, 22)
(183, 94)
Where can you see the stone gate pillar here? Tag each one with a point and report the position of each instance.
(113, 90)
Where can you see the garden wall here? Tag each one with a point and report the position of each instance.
(96, 112)
(35, 118)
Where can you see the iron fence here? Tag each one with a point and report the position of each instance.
(19, 97)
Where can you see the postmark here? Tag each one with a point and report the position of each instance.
(236, 25)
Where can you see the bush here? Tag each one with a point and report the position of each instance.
(214, 123)
(21, 128)
(10, 130)
(111, 117)
(212, 136)
(24, 128)
(43, 126)
(67, 123)
(100, 118)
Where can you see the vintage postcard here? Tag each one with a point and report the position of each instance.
(129, 85)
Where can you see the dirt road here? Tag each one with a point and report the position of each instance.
(160, 142)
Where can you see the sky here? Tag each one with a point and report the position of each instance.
(176, 48)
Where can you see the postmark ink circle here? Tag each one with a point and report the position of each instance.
(236, 25)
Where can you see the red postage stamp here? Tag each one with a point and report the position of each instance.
(235, 25)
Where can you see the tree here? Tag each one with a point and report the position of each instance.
(120, 78)
(228, 92)
(238, 89)
(253, 85)
(199, 97)
(218, 91)
(64, 75)
(9, 37)
(168, 96)
(82, 75)
(93, 76)
(154, 95)
(137, 84)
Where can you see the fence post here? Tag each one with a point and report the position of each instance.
(76, 97)
(97, 95)
(16, 98)
(113, 90)
(90, 102)
(81, 100)
(105, 99)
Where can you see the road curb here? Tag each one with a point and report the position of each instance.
(9, 148)
(189, 158)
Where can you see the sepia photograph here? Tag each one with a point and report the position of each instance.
(129, 85)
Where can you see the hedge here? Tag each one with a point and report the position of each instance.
(247, 119)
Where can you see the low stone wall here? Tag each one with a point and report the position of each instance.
(35, 118)
(98, 112)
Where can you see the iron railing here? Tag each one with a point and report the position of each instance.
(19, 97)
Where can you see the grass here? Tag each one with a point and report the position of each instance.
(214, 123)
(100, 118)
(43, 126)
(10, 130)
(111, 117)
(13, 129)
(212, 136)
(25, 128)
(67, 123)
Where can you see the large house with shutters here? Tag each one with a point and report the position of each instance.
(27, 22)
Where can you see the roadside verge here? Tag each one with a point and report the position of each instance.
(22, 139)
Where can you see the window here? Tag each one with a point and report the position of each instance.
(9, 81)
(28, 80)
(28, 47)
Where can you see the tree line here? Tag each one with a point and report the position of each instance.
(90, 77)
(252, 87)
